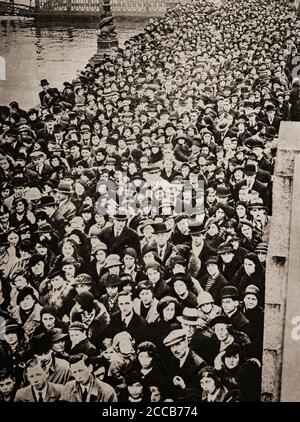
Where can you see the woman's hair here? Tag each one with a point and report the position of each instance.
(164, 302)
(27, 291)
(48, 309)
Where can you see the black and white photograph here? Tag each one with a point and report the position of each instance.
(149, 202)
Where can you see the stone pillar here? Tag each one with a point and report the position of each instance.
(282, 283)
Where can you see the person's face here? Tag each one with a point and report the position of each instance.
(229, 305)
(18, 191)
(82, 288)
(135, 390)
(153, 275)
(213, 230)
(208, 384)
(20, 208)
(179, 349)
(249, 266)
(221, 331)
(76, 336)
(81, 372)
(162, 238)
(180, 287)
(38, 268)
(6, 386)
(198, 239)
(129, 261)
(119, 224)
(37, 377)
(189, 329)
(114, 270)
(212, 269)
(250, 301)
(227, 257)
(67, 249)
(69, 270)
(11, 338)
(59, 346)
(57, 282)
(247, 231)
(20, 282)
(4, 164)
(112, 291)
(48, 321)
(78, 223)
(183, 225)
(109, 354)
(262, 257)
(169, 312)
(145, 360)
(125, 305)
(27, 303)
(13, 239)
(146, 296)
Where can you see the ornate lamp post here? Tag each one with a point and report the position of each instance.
(107, 36)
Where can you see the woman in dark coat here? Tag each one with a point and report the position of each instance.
(254, 313)
(238, 373)
(168, 309)
(251, 272)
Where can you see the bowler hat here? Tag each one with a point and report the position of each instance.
(225, 247)
(250, 169)
(220, 319)
(112, 281)
(160, 228)
(44, 82)
(229, 292)
(261, 248)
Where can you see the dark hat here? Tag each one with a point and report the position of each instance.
(126, 278)
(49, 118)
(229, 292)
(223, 192)
(57, 335)
(45, 201)
(27, 291)
(160, 228)
(44, 82)
(3, 240)
(270, 107)
(112, 281)
(253, 143)
(120, 217)
(225, 247)
(220, 319)
(174, 337)
(40, 344)
(9, 327)
(44, 228)
(133, 377)
(86, 301)
(78, 326)
(144, 285)
(213, 259)
(250, 169)
(252, 290)
(83, 279)
(196, 229)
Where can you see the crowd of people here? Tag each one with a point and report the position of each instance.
(134, 213)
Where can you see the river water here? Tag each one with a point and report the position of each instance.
(53, 51)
